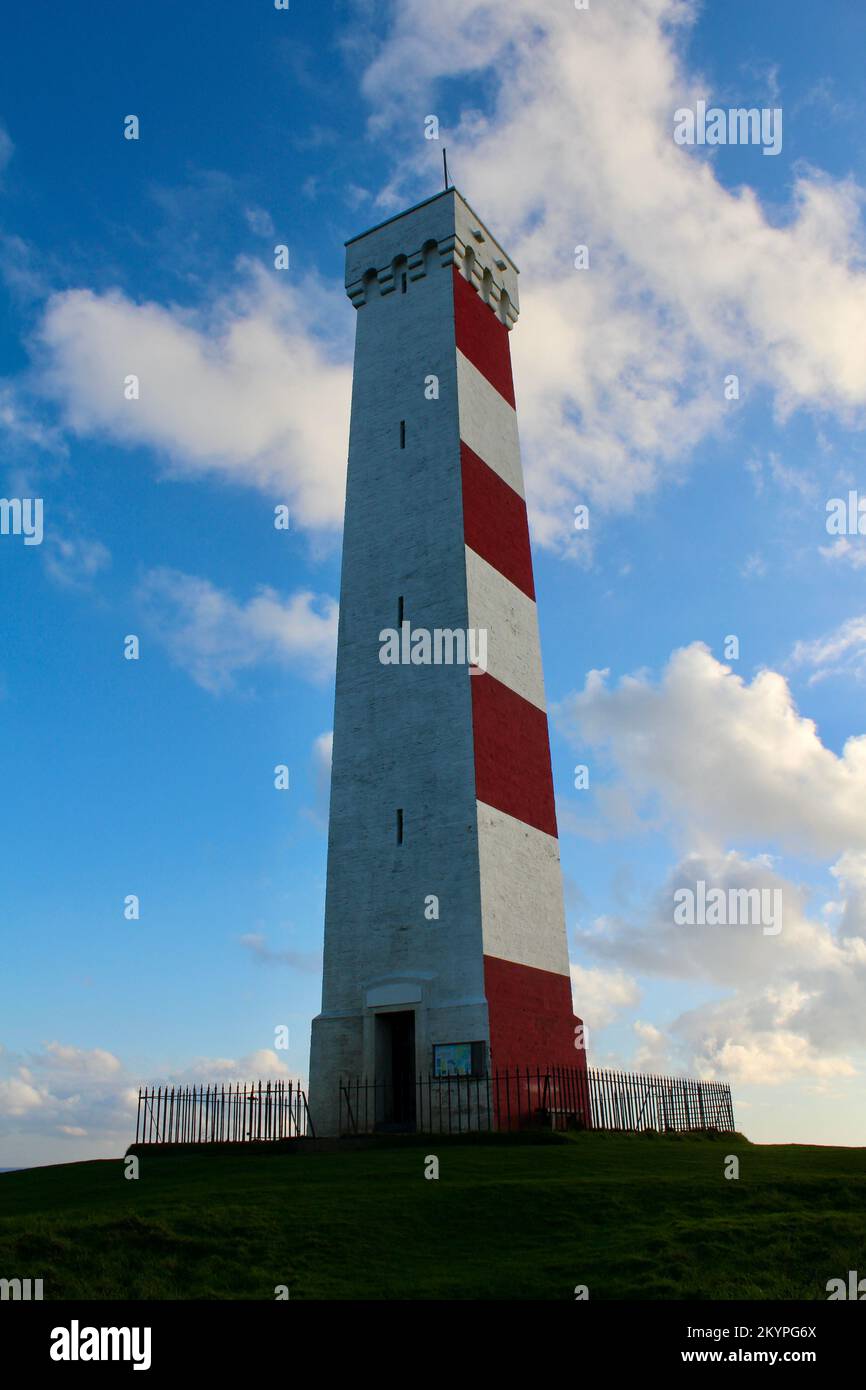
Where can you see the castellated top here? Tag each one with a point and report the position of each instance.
(441, 231)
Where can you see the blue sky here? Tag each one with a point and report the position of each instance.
(261, 127)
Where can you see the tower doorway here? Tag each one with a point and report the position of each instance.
(395, 1070)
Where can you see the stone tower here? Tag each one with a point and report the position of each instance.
(445, 944)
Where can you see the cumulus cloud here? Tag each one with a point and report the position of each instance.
(729, 955)
(769, 1036)
(254, 390)
(791, 1003)
(766, 1058)
(64, 1090)
(722, 761)
(260, 1065)
(65, 1093)
(18, 1095)
(653, 1050)
(620, 367)
(80, 1062)
(724, 758)
(600, 995)
(212, 636)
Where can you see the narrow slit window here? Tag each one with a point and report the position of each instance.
(403, 283)
(400, 611)
(400, 826)
(402, 434)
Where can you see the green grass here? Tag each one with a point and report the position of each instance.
(631, 1217)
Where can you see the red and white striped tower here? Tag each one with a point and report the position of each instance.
(442, 788)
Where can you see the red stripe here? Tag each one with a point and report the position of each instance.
(494, 521)
(512, 754)
(531, 1017)
(482, 337)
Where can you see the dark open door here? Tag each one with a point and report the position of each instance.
(395, 1067)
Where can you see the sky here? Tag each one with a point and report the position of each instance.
(699, 386)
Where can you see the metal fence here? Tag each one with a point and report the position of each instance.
(222, 1114)
(519, 1098)
(632, 1101)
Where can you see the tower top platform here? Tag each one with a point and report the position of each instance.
(440, 231)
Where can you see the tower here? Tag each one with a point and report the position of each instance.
(445, 944)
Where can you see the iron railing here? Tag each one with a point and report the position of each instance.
(633, 1101)
(222, 1114)
(518, 1098)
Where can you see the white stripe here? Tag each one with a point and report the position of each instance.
(523, 919)
(488, 424)
(510, 620)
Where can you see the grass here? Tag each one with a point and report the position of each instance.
(629, 1216)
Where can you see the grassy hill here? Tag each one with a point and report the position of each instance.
(631, 1217)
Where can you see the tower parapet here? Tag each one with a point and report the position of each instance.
(376, 259)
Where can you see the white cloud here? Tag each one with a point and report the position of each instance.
(620, 368)
(723, 761)
(21, 429)
(65, 1093)
(791, 1003)
(212, 636)
(853, 554)
(65, 1090)
(18, 1096)
(255, 1066)
(309, 962)
(731, 956)
(787, 479)
(841, 652)
(653, 1051)
(726, 760)
(732, 1042)
(254, 391)
(80, 1062)
(770, 1059)
(600, 995)
(23, 269)
(753, 567)
(323, 749)
(259, 221)
(73, 561)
